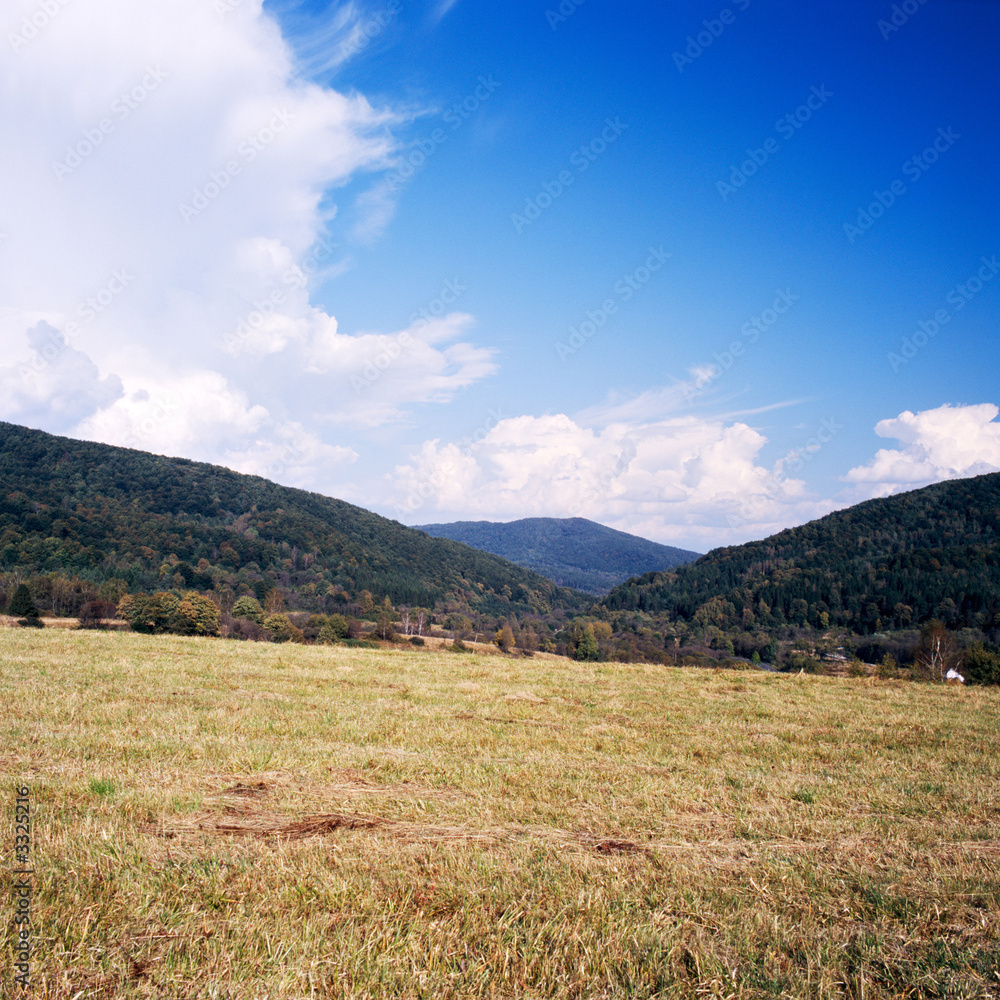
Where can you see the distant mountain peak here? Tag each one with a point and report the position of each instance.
(571, 551)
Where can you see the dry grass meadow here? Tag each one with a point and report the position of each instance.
(219, 819)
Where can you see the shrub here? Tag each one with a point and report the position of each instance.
(801, 662)
(249, 608)
(339, 625)
(887, 668)
(981, 664)
(96, 614)
(334, 629)
(417, 641)
(193, 615)
(856, 669)
(165, 611)
(279, 628)
(246, 630)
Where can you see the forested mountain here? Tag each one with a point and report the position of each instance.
(574, 552)
(102, 513)
(886, 563)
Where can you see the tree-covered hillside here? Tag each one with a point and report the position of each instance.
(102, 513)
(574, 552)
(887, 563)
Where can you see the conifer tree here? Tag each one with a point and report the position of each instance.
(22, 605)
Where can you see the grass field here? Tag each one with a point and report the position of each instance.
(222, 819)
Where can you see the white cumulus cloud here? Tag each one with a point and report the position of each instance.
(682, 480)
(948, 442)
(169, 172)
(55, 385)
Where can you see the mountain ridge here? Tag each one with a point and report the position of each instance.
(894, 560)
(105, 512)
(573, 552)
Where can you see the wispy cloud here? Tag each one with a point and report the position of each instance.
(324, 40)
(783, 404)
(442, 9)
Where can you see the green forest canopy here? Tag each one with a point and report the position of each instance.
(890, 562)
(102, 512)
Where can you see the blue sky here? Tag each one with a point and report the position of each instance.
(699, 271)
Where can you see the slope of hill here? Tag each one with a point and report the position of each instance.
(900, 560)
(574, 552)
(102, 513)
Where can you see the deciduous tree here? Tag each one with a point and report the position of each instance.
(587, 648)
(505, 638)
(937, 652)
(384, 624)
